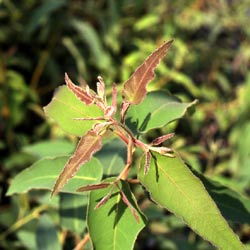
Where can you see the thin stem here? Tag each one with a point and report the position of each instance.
(122, 136)
(34, 214)
(83, 242)
(124, 174)
(133, 181)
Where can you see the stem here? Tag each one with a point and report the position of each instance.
(124, 174)
(34, 214)
(83, 242)
(122, 136)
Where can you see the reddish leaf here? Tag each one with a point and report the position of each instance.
(101, 88)
(83, 94)
(161, 139)
(147, 162)
(130, 206)
(93, 187)
(104, 199)
(134, 89)
(87, 146)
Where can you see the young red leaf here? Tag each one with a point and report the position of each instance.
(147, 161)
(130, 206)
(83, 94)
(134, 89)
(87, 146)
(161, 139)
(104, 199)
(93, 187)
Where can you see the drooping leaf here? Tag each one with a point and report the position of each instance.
(172, 185)
(114, 218)
(92, 41)
(43, 174)
(87, 146)
(134, 89)
(73, 209)
(65, 107)
(157, 109)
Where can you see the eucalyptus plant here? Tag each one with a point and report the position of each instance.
(114, 218)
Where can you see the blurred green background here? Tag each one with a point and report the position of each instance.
(209, 61)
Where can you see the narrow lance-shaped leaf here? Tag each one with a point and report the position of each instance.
(87, 146)
(83, 94)
(161, 139)
(134, 89)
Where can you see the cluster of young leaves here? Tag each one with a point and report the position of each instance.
(169, 181)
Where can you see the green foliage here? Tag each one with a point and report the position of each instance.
(208, 61)
(43, 174)
(156, 111)
(168, 180)
(172, 185)
(65, 103)
(120, 224)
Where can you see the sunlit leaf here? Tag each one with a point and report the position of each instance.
(87, 146)
(114, 218)
(134, 89)
(172, 185)
(50, 148)
(43, 174)
(233, 206)
(65, 107)
(157, 109)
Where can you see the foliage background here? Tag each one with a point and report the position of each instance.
(210, 61)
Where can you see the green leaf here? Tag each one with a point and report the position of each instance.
(112, 156)
(73, 209)
(233, 206)
(27, 238)
(93, 43)
(113, 226)
(172, 185)
(43, 174)
(134, 89)
(42, 13)
(87, 146)
(65, 107)
(50, 148)
(46, 234)
(157, 109)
